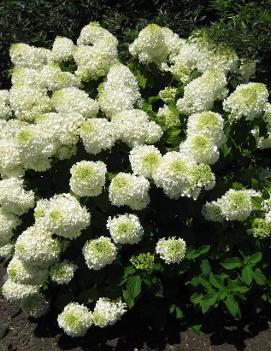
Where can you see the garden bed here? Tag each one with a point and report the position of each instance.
(18, 333)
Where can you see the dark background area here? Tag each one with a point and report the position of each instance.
(245, 25)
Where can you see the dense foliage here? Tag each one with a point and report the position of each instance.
(149, 180)
(244, 25)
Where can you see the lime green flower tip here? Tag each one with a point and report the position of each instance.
(143, 261)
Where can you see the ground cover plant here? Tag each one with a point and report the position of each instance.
(135, 185)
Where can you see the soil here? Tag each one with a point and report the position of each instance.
(19, 333)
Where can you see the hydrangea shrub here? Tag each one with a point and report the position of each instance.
(134, 185)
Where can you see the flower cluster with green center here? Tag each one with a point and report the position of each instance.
(234, 205)
(87, 161)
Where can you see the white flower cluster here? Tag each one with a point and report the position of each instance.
(267, 209)
(133, 127)
(119, 92)
(5, 109)
(69, 100)
(107, 312)
(201, 148)
(62, 272)
(49, 78)
(181, 57)
(168, 117)
(62, 49)
(179, 175)
(23, 55)
(62, 215)
(130, 190)
(248, 101)
(88, 178)
(28, 103)
(63, 131)
(99, 252)
(10, 163)
(36, 247)
(17, 292)
(204, 137)
(6, 250)
(234, 205)
(201, 93)
(96, 51)
(145, 159)
(264, 142)
(202, 55)
(155, 44)
(50, 98)
(25, 273)
(125, 229)
(168, 94)
(35, 305)
(49, 114)
(13, 197)
(8, 223)
(35, 251)
(35, 148)
(171, 250)
(97, 134)
(261, 227)
(76, 319)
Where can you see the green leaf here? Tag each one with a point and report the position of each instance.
(204, 249)
(133, 290)
(237, 186)
(134, 285)
(142, 80)
(226, 150)
(216, 281)
(232, 305)
(208, 301)
(152, 99)
(259, 277)
(173, 136)
(254, 259)
(221, 294)
(172, 107)
(247, 275)
(194, 281)
(146, 106)
(241, 289)
(128, 271)
(196, 298)
(197, 329)
(128, 299)
(205, 267)
(204, 282)
(194, 253)
(176, 311)
(256, 202)
(255, 184)
(232, 263)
